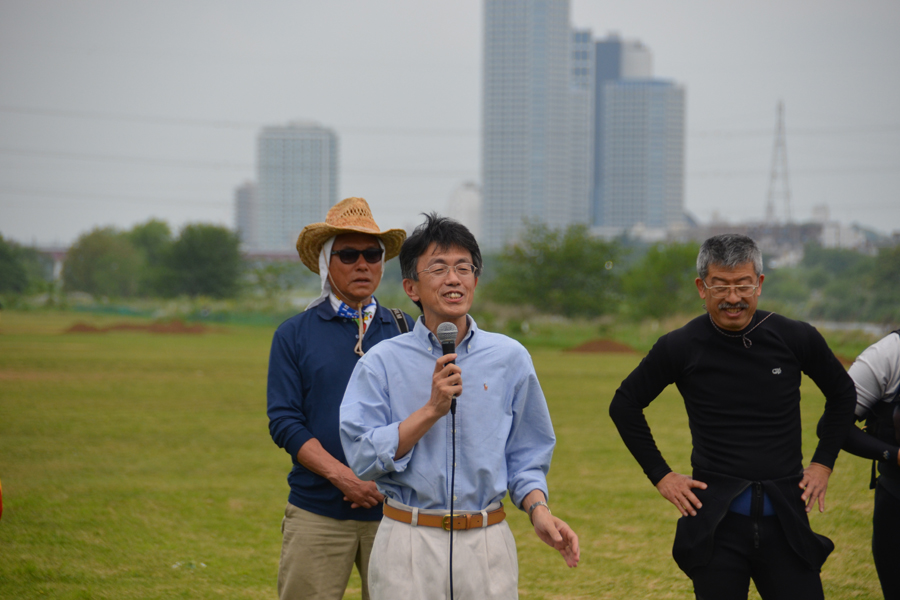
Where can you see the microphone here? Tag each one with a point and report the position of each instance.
(446, 333)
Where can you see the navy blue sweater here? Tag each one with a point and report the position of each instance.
(309, 366)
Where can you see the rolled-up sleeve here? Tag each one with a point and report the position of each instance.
(529, 447)
(874, 373)
(369, 436)
(284, 395)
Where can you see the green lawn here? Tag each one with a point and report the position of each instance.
(139, 465)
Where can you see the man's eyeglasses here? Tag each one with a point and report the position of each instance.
(463, 270)
(349, 256)
(722, 291)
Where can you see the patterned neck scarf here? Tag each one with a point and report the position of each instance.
(344, 310)
(350, 313)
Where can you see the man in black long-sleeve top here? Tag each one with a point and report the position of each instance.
(739, 372)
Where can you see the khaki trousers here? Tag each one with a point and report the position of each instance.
(413, 562)
(318, 554)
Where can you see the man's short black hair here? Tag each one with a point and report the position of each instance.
(443, 232)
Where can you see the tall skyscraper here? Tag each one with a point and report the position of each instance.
(577, 209)
(573, 130)
(642, 172)
(525, 112)
(297, 179)
(638, 175)
(464, 205)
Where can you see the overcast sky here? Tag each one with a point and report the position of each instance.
(112, 113)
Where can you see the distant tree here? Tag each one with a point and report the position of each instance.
(205, 260)
(102, 263)
(886, 285)
(562, 272)
(153, 240)
(13, 275)
(824, 265)
(662, 282)
(38, 266)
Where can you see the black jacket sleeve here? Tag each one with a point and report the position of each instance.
(864, 445)
(626, 410)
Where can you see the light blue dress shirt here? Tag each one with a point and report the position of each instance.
(504, 437)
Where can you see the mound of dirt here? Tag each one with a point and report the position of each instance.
(83, 328)
(603, 346)
(174, 326)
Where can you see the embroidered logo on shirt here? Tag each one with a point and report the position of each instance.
(776, 371)
(485, 387)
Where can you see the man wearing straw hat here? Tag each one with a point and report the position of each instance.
(331, 516)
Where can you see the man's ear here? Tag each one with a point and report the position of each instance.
(700, 287)
(412, 289)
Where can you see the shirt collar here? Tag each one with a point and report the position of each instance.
(430, 341)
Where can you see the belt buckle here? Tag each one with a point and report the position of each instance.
(445, 522)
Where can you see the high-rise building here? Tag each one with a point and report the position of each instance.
(577, 208)
(638, 174)
(642, 172)
(245, 214)
(574, 130)
(297, 182)
(615, 60)
(525, 112)
(464, 205)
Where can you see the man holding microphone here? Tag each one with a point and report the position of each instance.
(397, 429)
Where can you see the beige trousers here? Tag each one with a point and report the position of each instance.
(318, 553)
(413, 562)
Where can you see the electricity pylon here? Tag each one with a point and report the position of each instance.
(779, 172)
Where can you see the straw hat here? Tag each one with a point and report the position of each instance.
(351, 215)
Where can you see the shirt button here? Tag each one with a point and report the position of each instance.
(357, 336)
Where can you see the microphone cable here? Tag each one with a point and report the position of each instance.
(452, 483)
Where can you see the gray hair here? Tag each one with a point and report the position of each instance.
(728, 250)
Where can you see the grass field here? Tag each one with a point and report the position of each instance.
(139, 465)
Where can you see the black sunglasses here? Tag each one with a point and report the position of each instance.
(349, 256)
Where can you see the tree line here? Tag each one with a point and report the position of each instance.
(145, 261)
(574, 274)
(564, 272)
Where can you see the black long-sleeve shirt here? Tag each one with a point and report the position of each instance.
(743, 404)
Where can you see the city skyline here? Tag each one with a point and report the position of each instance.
(113, 114)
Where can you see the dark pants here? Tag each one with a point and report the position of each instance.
(886, 541)
(754, 547)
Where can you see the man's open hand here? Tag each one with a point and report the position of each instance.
(677, 489)
(814, 485)
(553, 531)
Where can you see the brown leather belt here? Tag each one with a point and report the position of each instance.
(460, 522)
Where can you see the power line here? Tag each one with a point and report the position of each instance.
(794, 172)
(175, 162)
(118, 198)
(140, 160)
(887, 128)
(225, 124)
